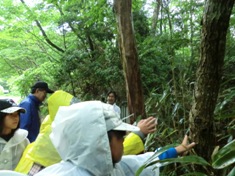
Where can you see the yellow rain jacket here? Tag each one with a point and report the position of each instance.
(42, 150)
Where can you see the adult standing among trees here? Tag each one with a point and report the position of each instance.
(111, 99)
(31, 121)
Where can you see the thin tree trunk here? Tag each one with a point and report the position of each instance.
(155, 16)
(129, 58)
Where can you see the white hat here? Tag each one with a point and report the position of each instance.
(9, 106)
(113, 121)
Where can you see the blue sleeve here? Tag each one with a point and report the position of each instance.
(25, 118)
(170, 153)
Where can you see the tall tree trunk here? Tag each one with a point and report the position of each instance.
(215, 23)
(129, 58)
(155, 16)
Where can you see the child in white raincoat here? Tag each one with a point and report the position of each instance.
(13, 140)
(89, 138)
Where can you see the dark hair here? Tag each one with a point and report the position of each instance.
(113, 92)
(33, 90)
(118, 134)
(2, 118)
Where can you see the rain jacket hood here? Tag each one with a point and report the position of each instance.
(82, 134)
(59, 98)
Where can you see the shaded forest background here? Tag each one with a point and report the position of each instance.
(73, 45)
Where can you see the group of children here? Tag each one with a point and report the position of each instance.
(85, 138)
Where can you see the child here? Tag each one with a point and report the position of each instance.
(13, 140)
(89, 138)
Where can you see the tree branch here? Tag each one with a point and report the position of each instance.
(43, 32)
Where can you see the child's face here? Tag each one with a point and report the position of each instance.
(116, 146)
(10, 122)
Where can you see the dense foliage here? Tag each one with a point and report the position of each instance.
(73, 46)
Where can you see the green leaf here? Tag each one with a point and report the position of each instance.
(232, 172)
(192, 159)
(225, 156)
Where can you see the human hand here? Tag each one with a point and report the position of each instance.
(147, 125)
(184, 147)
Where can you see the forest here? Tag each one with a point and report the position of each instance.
(172, 59)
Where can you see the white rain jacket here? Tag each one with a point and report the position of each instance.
(80, 137)
(12, 150)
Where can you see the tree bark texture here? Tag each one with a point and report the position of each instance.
(129, 58)
(215, 23)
